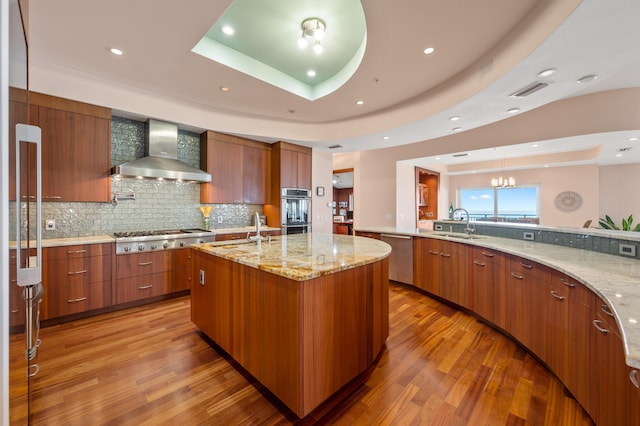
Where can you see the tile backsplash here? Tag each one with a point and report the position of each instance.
(157, 204)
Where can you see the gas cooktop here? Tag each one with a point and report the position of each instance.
(142, 241)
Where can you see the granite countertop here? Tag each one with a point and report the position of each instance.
(614, 278)
(243, 229)
(302, 256)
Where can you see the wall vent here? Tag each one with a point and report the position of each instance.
(335, 146)
(527, 90)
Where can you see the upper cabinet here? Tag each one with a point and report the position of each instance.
(76, 149)
(239, 168)
(292, 165)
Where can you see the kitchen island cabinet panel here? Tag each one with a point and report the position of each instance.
(489, 286)
(634, 386)
(182, 269)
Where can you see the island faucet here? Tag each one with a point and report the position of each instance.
(257, 237)
(467, 230)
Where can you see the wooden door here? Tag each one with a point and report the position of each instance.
(288, 169)
(254, 175)
(304, 170)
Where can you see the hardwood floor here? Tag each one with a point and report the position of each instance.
(149, 365)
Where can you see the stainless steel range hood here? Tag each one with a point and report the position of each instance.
(161, 157)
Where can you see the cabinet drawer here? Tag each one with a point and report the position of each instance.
(80, 270)
(71, 252)
(143, 286)
(565, 286)
(375, 235)
(484, 255)
(78, 298)
(518, 266)
(131, 265)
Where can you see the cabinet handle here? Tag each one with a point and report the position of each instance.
(606, 309)
(435, 253)
(633, 376)
(556, 295)
(516, 276)
(14, 281)
(486, 253)
(596, 324)
(76, 251)
(445, 254)
(145, 263)
(52, 197)
(477, 262)
(524, 265)
(84, 271)
(80, 299)
(15, 311)
(567, 283)
(144, 287)
(400, 237)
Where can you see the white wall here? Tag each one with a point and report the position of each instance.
(618, 191)
(552, 181)
(322, 175)
(405, 196)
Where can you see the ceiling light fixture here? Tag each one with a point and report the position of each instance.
(116, 51)
(311, 73)
(228, 30)
(429, 50)
(633, 139)
(503, 182)
(513, 110)
(224, 89)
(313, 31)
(587, 78)
(359, 102)
(454, 118)
(547, 72)
(457, 129)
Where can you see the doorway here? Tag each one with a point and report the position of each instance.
(427, 187)
(342, 204)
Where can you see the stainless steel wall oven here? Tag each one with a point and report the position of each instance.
(296, 211)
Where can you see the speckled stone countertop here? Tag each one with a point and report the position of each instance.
(614, 278)
(302, 256)
(243, 229)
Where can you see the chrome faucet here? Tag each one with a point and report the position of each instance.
(257, 237)
(467, 230)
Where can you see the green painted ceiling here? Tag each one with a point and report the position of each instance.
(265, 43)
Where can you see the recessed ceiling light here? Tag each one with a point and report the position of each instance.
(633, 139)
(513, 110)
(546, 165)
(228, 29)
(618, 155)
(588, 78)
(535, 145)
(311, 73)
(457, 129)
(116, 51)
(437, 158)
(386, 138)
(547, 72)
(429, 50)
(359, 102)
(454, 118)
(224, 89)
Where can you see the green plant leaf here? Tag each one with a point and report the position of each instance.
(637, 228)
(625, 224)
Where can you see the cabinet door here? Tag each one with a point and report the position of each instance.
(16, 301)
(304, 170)
(224, 162)
(254, 175)
(182, 269)
(454, 273)
(288, 169)
(426, 264)
(568, 327)
(611, 391)
(525, 289)
(489, 286)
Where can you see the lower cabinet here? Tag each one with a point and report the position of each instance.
(16, 302)
(634, 392)
(76, 279)
(611, 402)
(426, 264)
(182, 269)
(526, 302)
(569, 307)
(142, 275)
(454, 273)
(489, 294)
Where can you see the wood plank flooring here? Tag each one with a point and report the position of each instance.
(150, 366)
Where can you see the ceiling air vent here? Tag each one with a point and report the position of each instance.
(335, 146)
(464, 154)
(624, 149)
(527, 90)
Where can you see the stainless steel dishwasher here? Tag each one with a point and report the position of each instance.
(401, 258)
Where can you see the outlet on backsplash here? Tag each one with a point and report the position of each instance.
(50, 225)
(219, 219)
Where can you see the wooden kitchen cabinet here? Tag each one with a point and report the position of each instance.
(19, 112)
(426, 264)
(16, 302)
(526, 283)
(489, 288)
(610, 390)
(374, 235)
(76, 149)
(634, 394)
(182, 269)
(76, 278)
(454, 273)
(296, 169)
(569, 307)
(239, 168)
(142, 275)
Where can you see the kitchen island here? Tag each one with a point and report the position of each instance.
(304, 314)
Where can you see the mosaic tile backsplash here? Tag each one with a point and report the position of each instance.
(157, 204)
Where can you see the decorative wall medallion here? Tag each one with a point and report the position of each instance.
(568, 201)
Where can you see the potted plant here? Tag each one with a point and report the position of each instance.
(608, 223)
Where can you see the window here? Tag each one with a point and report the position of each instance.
(501, 204)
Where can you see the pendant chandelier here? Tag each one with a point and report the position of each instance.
(503, 182)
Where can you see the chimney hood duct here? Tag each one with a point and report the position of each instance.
(161, 157)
